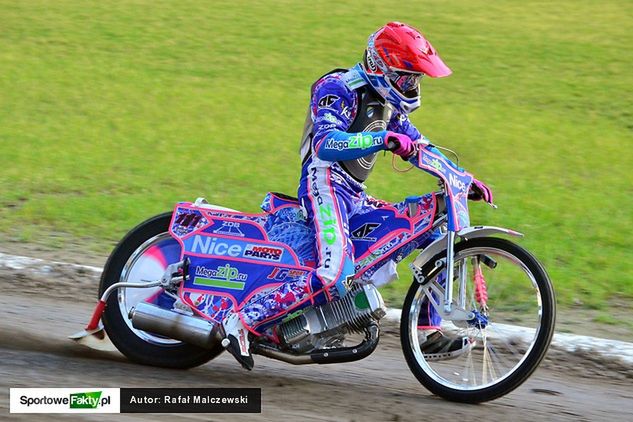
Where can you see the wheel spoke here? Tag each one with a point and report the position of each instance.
(514, 285)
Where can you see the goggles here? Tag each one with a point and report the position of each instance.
(405, 81)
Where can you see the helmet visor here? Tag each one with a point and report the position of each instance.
(405, 81)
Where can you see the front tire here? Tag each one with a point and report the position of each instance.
(503, 357)
(142, 255)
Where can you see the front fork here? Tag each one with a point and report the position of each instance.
(450, 260)
(444, 305)
(448, 309)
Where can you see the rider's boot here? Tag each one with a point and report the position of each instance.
(236, 340)
(436, 346)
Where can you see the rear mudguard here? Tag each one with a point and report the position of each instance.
(465, 234)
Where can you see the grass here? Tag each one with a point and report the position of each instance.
(112, 111)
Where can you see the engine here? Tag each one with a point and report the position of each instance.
(325, 325)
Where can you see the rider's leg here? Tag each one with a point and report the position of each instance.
(327, 207)
(429, 319)
(433, 342)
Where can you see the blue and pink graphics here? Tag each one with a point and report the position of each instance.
(456, 181)
(234, 256)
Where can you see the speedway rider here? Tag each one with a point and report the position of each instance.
(354, 113)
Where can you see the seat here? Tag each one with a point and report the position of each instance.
(275, 200)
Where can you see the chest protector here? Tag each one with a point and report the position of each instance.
(372, 115)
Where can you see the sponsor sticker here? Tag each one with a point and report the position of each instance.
(229, 228)
(209, 245)
(188, 218)
(433, 162)
(266, 253)
(329, 223)
(282, 274)
(225, 277)
(363, 232)
(328, 101)
(456, 182)
(345, 111)
(327, 127)
(387, 246)
(371, 63)
(329, 117)
(358, 141)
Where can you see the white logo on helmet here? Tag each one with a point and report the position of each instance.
(371, 64)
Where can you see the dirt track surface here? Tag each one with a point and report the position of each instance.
(34, 352)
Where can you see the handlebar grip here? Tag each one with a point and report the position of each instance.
(392, 143)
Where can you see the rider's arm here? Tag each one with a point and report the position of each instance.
(400, 123)
(334, 108)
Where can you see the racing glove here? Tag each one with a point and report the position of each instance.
(479, 190)
(400, 144)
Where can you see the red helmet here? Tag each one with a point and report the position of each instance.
(396, 58)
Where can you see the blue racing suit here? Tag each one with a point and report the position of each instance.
(346, 127)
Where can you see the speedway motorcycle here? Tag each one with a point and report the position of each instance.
(170, 281)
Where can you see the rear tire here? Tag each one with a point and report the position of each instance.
(455, 381)
(164, 353)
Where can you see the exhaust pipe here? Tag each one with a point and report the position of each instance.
(190, 329)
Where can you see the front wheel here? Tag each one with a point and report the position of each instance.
(141, 257)
(511, 326)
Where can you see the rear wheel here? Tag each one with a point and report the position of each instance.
(511, 330)
(142, 256)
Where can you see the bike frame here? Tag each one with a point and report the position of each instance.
(234, 256)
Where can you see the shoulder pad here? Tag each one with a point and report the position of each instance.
(353, 79)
